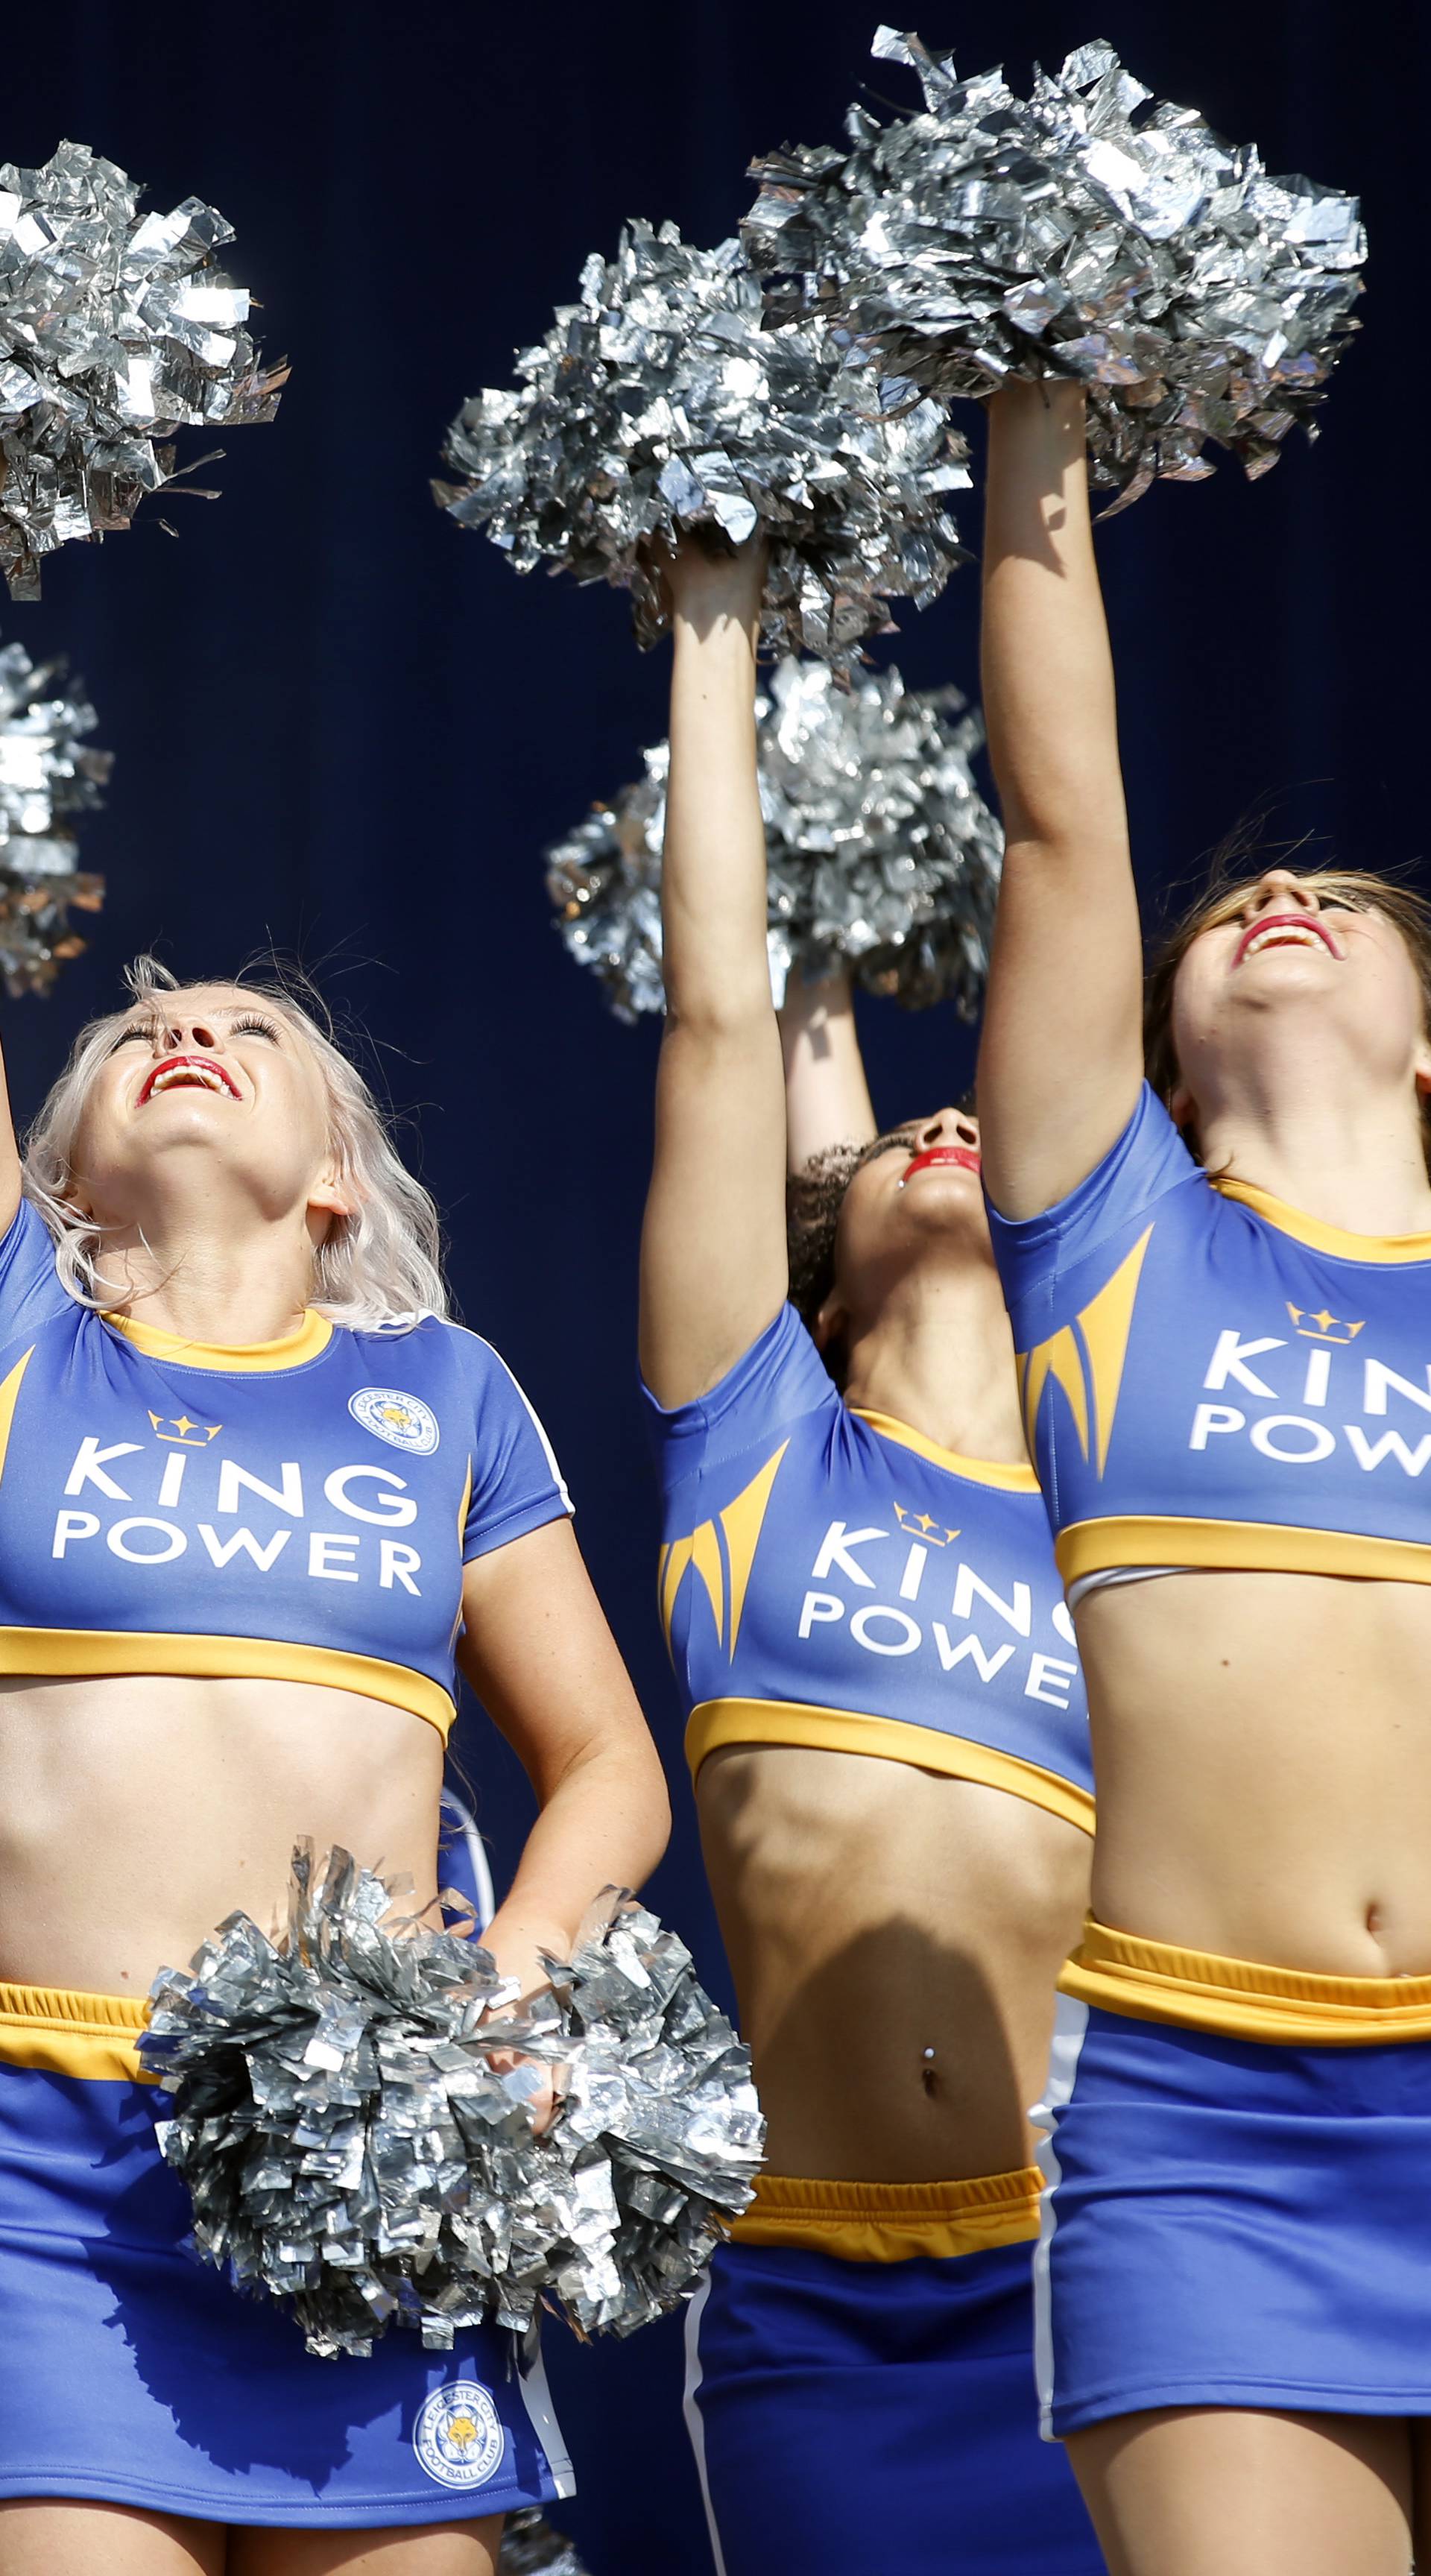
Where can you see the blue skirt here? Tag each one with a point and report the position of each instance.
(1233, 2222)
(851, 2416)
(131, 2373)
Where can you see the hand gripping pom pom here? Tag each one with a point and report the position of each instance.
(882, 856)
(1077, 233)
(660, 403)
(351, 2150)
(48, 775)
(116, 330)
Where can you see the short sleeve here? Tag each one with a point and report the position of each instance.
(1148, 1160)
(31, 1293)
(517, 1485)
(777, 1381)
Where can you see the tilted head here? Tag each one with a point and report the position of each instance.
(861, 1219)
(1348, 951)
(235, 1084)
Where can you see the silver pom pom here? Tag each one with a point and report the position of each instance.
(530, 2547)
(883, 857)
(1074, 233)
(351, 2149)
(48, 775)
(660, 403)
(116, 330)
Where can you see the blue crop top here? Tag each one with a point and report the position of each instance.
(832, 1578)
(1212, 1378)
(298, 1510)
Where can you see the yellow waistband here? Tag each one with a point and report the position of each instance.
(1235, 1547)
(95, 1651)
(892, 2222)
(1242, 1998)
(891, 1739)
(70, 2034)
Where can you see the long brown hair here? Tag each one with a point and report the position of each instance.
(1359, 888)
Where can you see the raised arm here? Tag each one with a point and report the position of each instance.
(9, 1158)
(713, 1267)
(1061, 1055)
(827, 1099)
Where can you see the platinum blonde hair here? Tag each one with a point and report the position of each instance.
(378, 1266)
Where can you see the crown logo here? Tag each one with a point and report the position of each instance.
(1322, 1327)
(920, 1525)
(179, 1430)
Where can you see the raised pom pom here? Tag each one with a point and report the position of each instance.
(49, 775)
(659, 403)
(1080, 233)
(116, 330)
(883, 858)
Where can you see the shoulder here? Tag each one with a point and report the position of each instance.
(776, 1381)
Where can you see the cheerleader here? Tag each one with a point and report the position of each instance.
(1218, 1277)
(884, 1724)
(260, 1501)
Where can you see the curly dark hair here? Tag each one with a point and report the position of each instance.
(813, 1200)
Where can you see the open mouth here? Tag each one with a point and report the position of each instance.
(1285, 930)
(189, 1072)
(961, 1158)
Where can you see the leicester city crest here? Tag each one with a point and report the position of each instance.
(404, 1421)
(458, 2436)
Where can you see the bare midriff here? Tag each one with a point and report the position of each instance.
(894, 1937)
(136, 1812)
(1263, 1750)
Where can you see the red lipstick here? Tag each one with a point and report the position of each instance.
(199, 1064)
(960, 1158)
(1273, 922)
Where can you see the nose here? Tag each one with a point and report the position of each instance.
(950, 1127)
(187, 1037)
(1280, 891)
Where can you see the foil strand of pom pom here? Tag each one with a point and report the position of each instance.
(117, 329)
(49, 775)
(659, 402)
(530, 2547)
(882, 856)
(352, 2148)
(1079, 232)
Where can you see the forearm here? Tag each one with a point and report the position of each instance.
(713, 870)
(827, 1099)
(1047, 670)
(604, 1824)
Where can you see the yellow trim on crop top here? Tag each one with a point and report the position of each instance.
(57, 2032)
(1318, 1235)
(716, 1722)
(893, 2222)
(50, 1652)
(1009, 1479)
(1259, 1547)
(1242, 1998)
(289, 1351)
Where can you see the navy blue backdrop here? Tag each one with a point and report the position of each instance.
(342, 726)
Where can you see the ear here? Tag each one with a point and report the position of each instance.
(831, 1321)
(1182, 1108)
(328, 1196)
(1423, 1066)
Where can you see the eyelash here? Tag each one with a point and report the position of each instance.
(252, 1023)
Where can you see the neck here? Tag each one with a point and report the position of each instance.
(230, 1287)
(939, 1356)
(1352, 1157)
